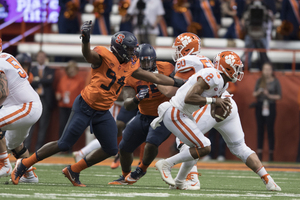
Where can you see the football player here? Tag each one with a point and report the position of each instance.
(110, 71)
(20, 109)
(147, 98)
(234, 138)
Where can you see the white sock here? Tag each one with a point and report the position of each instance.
(94, 144)
(261, 172)
(3, 154)
(182, 156)
(185, 169)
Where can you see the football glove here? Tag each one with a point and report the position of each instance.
(142, 94)
(86, 31)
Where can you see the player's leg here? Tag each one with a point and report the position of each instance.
(16, 122)
(187, 131)
(232, 132)
(153, 141)
(102, 124)
(78, 155)
(76, 125)
(133, 136)
(5, 166)
(124, 116)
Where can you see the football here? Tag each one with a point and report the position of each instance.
(220, 114)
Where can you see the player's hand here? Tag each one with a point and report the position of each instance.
(224, 103)
(86, 31)
(142, 94)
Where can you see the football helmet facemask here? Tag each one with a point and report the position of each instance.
(186, 44)
(123, 46)
(230, 64)
(147, 57)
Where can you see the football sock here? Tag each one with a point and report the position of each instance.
(261, 171)
(28, 162)
(125, 173)
(3, 155)
(119, 139)
(185, 169)
(79, 166)
(94, 144)
(143, 167)
(183, 156)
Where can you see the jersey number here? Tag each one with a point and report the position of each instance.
(206, 63)
(112, 75)
(153, 89)
(210, 76)
(17, 66)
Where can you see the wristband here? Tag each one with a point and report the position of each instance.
(214, 100)
(209, 100)
(178, 82)
(135, 100)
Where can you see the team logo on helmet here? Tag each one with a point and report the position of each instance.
(229, 59)
(120, 38)
(186, 40)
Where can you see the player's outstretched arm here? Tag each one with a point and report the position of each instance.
(3, 87)
(90, 56)
(156, 78)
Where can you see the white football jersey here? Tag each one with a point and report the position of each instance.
(192, 62)
(215, 82)
(20, 90)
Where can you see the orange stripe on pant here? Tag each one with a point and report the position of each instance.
(200, 115)
(185, 126)
(15, 113)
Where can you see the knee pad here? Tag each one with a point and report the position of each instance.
(241, 150)
(16, 154)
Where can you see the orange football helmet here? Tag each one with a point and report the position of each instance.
(230, 64)
(0, 45)
(186, 44)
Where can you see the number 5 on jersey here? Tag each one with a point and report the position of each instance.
(11, 60)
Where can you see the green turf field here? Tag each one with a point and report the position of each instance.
(215, 184)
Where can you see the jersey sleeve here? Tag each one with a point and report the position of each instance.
(210, 76)
(164, 68)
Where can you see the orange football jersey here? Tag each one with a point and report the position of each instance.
(148, 106)
(107, 80)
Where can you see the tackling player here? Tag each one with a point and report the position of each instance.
(110, 71)
(147, 98)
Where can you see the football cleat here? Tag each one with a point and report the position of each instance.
(133, 177)
(270, 183)
(115, 164)
(77, 156)
(29, 176)
(179, 185)
(18, 171)
(165, 171)
(72, 176)
(119, 181)
(192, 181)
(5, 167)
